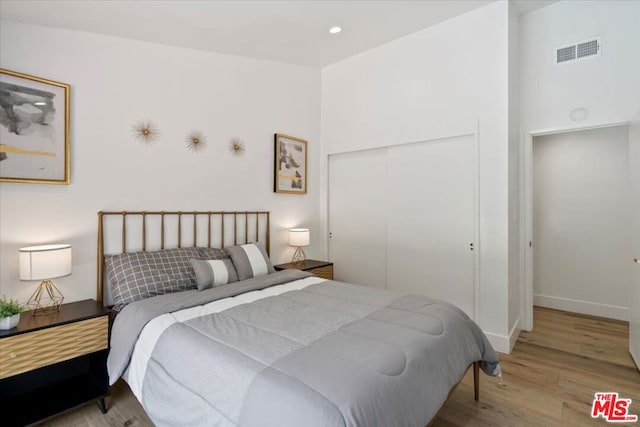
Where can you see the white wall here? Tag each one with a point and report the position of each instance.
(608, 86)
(115, 82)
(452, 73)
(582, 221)
(515, 238)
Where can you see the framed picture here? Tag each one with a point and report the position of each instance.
(290, 171)
(34, 129)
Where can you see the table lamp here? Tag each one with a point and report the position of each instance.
(44, 263)
(298, 237)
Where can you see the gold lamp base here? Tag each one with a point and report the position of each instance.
(46, 299)
(298, 256)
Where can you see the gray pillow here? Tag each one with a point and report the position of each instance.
(214, 272)
(134, 276)
(250, 260)
(212, 253)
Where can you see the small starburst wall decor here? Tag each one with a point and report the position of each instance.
(145, 131)
(237, 146)
(196, 141)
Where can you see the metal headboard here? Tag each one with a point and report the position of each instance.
(240, 227)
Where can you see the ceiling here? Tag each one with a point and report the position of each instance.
(294, 32)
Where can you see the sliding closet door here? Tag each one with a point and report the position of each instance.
(357, 210)
(430, 220)
(402, 218)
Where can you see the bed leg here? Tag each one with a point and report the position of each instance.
(476, 381)
(102, 405)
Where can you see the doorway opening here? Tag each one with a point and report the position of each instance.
(578, 214)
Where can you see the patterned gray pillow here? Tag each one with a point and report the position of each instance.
(213, 272)
(250, 260)
(135, 276)
(212, 253)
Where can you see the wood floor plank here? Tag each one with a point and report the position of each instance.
(573, 415)
(548, 381)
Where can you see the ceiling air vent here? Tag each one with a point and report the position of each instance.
(578, 50)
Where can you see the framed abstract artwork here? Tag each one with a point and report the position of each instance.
(290, 169)
(34, 129)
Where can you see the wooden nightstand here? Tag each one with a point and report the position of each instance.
(322, 269)
(54, 362)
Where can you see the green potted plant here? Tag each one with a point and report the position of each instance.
(9, 313)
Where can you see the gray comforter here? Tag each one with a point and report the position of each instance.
(331, 354)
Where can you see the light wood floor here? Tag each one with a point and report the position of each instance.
(550, 377)
(548, 380)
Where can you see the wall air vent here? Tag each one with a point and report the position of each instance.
(566, 54)
(592, 47)
(578, 50)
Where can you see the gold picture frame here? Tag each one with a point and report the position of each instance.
(34, 129)
(290, 167)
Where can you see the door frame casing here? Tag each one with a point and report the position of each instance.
(634, 309)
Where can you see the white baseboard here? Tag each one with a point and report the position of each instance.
(636, 357)
(582, 307)
(513, 335)
(500, 343)
(505, 343)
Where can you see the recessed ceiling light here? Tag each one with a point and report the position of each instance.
(335, 30)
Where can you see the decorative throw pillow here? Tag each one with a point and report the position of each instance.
(213, 272)
(135, 276)
(250, 260)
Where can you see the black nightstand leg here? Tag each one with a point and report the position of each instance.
(102, 405)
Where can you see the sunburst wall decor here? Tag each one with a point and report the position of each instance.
(237, 146)
(145, 131)
(196, 141)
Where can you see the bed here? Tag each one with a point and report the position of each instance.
(208, 334)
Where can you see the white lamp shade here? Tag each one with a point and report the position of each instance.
(45, 262)
(299, 237)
